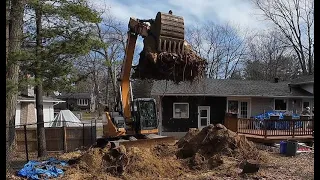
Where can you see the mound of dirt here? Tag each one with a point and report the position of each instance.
(185, 139)
(206, 149)
(214, 147)
(144, 163)
(133, 163)
(187, 66)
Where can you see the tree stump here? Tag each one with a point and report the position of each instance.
(249, 167)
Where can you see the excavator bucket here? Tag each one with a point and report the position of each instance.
(168, 30)
(166, 55)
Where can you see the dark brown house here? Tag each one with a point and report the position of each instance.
(198, 104)
(75, 101)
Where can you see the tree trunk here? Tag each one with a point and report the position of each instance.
(7, 28)
(42, 150)
(12, 74)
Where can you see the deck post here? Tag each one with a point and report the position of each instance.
(265, 128)
(293, 127)
(64, 131)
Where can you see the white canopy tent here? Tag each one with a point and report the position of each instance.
(65, 115)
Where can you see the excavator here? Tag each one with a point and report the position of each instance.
(135, 122)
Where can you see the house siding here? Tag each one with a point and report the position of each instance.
(72, 104)
(260, 105)
(26, 113)
(170, 124)
(18, 114)
(48, 112)
(295, 105)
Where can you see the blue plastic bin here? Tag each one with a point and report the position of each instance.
(283, 147)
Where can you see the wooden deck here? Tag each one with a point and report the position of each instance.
(259, 131)
(276, 139)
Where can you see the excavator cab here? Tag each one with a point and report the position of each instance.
(145, 116)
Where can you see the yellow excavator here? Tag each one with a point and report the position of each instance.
(136, 121)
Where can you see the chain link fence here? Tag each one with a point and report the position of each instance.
(58, 139)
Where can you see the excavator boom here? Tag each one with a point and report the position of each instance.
(139, 115)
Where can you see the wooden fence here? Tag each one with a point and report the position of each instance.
(57, 138)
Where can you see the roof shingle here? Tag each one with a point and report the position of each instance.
(228, 87)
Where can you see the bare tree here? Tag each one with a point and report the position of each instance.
(221, 45)
(103, 64)
(268, 57)
(294, 19)
(93, 66)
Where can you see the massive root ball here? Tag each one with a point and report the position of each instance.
(168, 66)
(206, 148)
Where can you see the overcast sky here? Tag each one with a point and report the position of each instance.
(240, 12)
(194, 12)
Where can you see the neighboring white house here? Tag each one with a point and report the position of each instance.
(26, 110)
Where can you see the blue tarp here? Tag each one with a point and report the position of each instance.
(46, 169)
(281, 125)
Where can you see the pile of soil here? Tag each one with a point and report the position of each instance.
(187, 66)
(136, 163)
(214, 147)
(207, 149)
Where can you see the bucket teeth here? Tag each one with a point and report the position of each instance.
(171, 46)
(174, 47)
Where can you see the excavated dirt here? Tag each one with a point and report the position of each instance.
(214, 147)
(168, 66)
(208, 148)
(158, 161)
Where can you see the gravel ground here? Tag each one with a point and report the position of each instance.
(300, 167)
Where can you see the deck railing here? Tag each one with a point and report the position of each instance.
(280, 127)
(271, 127)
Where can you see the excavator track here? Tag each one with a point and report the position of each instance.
(135, 141)
(169, 32)
(145, 142)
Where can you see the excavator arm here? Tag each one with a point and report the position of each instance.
(135, 28)
(168, 33)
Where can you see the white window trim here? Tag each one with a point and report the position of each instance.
(85, 102)
(239, 99)
(173, 112)
(274, 104)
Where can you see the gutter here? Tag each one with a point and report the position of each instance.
(302, 83)
(43, 101)
(261, 96)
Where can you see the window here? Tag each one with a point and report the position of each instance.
(305, 104)
(233, 107)
(280, 104)
(243, 109)
(83, 102)
(180, 110)
(240, 107)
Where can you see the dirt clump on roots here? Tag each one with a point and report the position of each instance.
(186, 66)
(132, 163)
(144, 163)
(210, 147)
